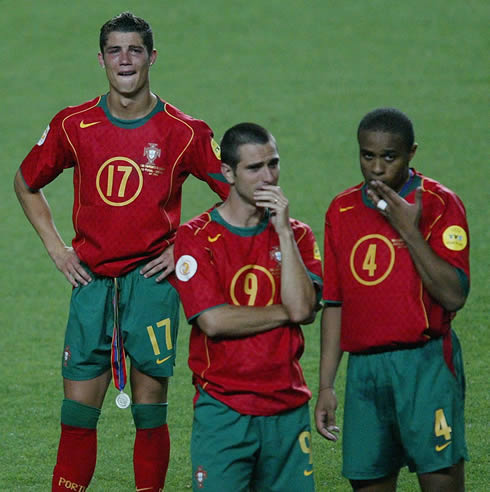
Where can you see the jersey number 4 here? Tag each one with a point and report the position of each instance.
(369, 263)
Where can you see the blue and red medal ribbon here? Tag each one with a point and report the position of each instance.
(118, 356)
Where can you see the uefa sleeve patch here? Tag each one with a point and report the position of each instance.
(316, 252)
(43, 136)
(186, 267)
(216, 148)
(455, 238)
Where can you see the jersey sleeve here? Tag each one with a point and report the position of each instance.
(310, 253)
(449, 236)
(48, 158)
(197, 283)
(204, 160)
(332, 293)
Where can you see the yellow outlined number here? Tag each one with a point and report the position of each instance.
(250, 287)
(304, 440)
(108, 192)
(164, 323)
(440, 425)
(250, 284)
(126, 170)
(369, 262)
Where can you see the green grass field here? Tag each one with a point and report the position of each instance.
(306, 70)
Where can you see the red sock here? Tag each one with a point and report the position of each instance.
(77, 453)
(150, 458)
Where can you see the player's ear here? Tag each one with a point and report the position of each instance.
(153, 57)
(228, 173)
(412, 151)
(100, 57)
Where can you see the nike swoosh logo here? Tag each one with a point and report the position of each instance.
(307, 473)
(86, 125)
(213, 239)
(443, 446)
(344, 209)
(161, 361)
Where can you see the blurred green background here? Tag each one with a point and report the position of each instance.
(308, 71)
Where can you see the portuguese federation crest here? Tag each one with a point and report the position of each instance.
(200, 475)
(152, 152)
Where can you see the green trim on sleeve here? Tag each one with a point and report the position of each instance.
(463, 278)
(218, 177)
(193, 318)
(328, 303)
(317, 281)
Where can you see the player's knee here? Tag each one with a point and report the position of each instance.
(149, 416)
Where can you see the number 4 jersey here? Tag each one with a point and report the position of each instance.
(127, 178)
(370, 273)
(218, 264)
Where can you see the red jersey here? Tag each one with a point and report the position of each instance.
(370, 273)
(127, 178)
(221, 264)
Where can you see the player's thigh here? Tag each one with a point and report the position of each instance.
(89, 392)
(147, 389)
(430, 397)
(285, 462)
(451, 479)
(385, 484)
(150, 321)
(371, 446)
(223, 447)
(87, 345)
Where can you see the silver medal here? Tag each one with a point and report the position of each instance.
(123, 400)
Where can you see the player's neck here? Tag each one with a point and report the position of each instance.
(240, 214)
(131, 107)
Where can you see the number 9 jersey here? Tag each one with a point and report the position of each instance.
(219, 264)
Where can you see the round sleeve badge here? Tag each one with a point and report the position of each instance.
(216, 148)
(43, 136)
(186, 267)
(455, 238)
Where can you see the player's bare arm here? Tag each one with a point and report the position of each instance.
(37, 210)
(240, 321)
(162, 263)
(297, 291)
(331, 355)
(439, 277)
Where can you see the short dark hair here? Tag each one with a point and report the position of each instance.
(388, 120)
(241, 134)
(127, 22)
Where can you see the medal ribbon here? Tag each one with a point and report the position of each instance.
(118, 356)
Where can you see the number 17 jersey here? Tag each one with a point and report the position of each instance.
(128, 177)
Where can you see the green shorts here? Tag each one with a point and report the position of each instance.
(404, 407)
(243, 453)
(148, 318)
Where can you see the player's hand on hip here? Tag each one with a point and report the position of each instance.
(402, 215)
(325, 408)
(272, 197)
(163, 263)
(68, 263)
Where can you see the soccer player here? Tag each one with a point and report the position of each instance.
(396, 272)
(248, 275)
(130, 152)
